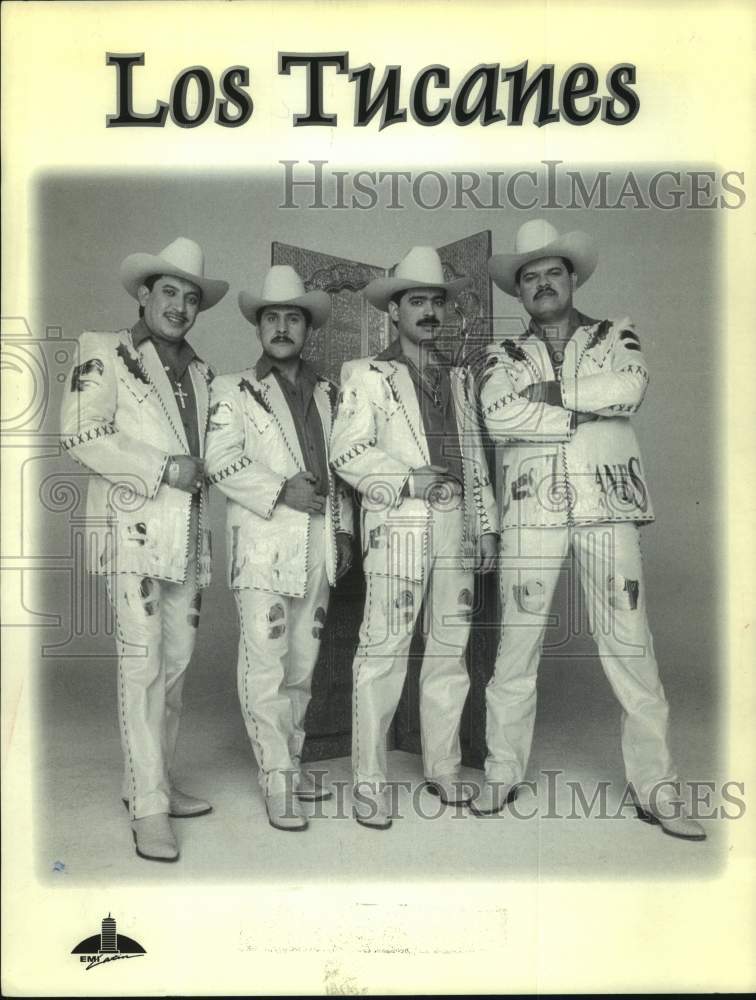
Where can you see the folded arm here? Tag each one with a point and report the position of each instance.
(511, 415)
(617, 391)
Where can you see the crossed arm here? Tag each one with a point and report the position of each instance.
(550, 410)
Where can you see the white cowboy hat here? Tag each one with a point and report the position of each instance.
(421, 268)
(537, 239)
(284, 287)
(183, 259)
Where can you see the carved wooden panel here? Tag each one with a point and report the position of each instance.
(469, 318)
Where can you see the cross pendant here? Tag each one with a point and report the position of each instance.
(180, 395)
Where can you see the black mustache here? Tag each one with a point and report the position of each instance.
(545, 291)
(428, 322)
(281, 338)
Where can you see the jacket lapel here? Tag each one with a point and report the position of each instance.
(544, 369)
(593, 339)
(403, 390)
(323, 403)
(458, 382)
(163, 390)
(199, 384)
(282, 415)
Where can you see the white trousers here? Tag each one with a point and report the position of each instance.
(607, 563)
(279, 643)
(156, 628)
(380, 667)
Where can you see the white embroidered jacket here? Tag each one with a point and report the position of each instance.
(378, 439)
(120, 419)
(252, 449)
(552, 472)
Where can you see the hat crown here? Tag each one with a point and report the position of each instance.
(421, 264)
(536, 240)
(282, 284)
(534, 235)
(186, 255)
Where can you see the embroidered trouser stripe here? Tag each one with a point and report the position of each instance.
(279, 643)
(380, 667)
(607, 565)
(156, 631)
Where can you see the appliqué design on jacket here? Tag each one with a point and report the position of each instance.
(332, 391)
(79, 380)
(132, 364)
(515, 352)
(630, 339)
(258, 397)
(553, 472)
(219, 416)
(598, 334)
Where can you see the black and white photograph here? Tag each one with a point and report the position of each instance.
(388, 501)
(298, 644)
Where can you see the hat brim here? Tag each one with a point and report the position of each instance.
(380, 291)
(316, 302)
(578, 247)
(139, 266)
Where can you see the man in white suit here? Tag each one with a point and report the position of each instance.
(289, 525)
(135, 414)
(406, 437)
(560, 397)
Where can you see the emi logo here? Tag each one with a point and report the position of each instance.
(107, 946)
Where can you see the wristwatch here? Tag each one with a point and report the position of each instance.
(173, 472)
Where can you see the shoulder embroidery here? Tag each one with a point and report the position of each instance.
(599, 334)
(258, 397)
(207, 372)
(332, 389)
(394, 390)
(514, 351)
(132, 364)
(467, 385)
